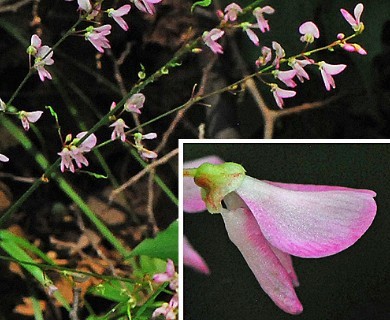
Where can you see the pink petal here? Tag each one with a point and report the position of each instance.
(34, 116)
(347, 16)
(333, 69)
(282, 93)
(316, 188)
(309, 224)
(272, 276)
(123, 10)
(215, 34)
(268, 10)
(191, 258)
(328, 80)
(36, 42)
(88, 143)
(286, 261)
(309, 27)
(252, 36)
(3, 158)
(358, 12)
(192, 201)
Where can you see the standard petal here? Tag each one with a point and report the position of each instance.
(192, 200)
(309, 224)
(192, 258)
(270, 273)
(333, 69)
(358, 12)
(314, 187)
(309, 27)
(347, 16)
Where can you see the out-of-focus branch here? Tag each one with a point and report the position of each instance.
(14, 6)
(140, 174)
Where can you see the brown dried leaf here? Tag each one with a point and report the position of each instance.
(26, 308)
(109, 215)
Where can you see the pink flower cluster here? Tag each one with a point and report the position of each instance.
(98, 35)
(71, 151)
(168, 310)
(309, 32)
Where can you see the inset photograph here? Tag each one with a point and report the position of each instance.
(278, 229)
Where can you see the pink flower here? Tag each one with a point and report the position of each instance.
(43, 58)
(117, 15)
(97, 36)
(119, 130)
(135, 103)
(29, 117)
(210, 39)
(168, 310)
(269, 221)
(309, 31)
(231, 12)
(250, 33)
(145, 153)
(170, 275)
(146, 5)
(3, 158)
(354, 21)
(286, 77)
(279, 94)
(191, 257)
(279, 52)
(72, 152)
(329, 70)
(266, 56)
(298, 66)
(258, 13)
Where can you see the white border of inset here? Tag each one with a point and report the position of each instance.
(236, 141)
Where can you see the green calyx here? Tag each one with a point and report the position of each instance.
(216, 181)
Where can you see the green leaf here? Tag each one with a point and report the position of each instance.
(163, 246)
(114, 290)
(203, 3)
(10, 244)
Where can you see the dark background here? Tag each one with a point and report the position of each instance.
(354, 284)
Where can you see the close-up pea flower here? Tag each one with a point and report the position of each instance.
(270, 221)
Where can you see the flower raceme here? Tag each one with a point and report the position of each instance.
(269, 221)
